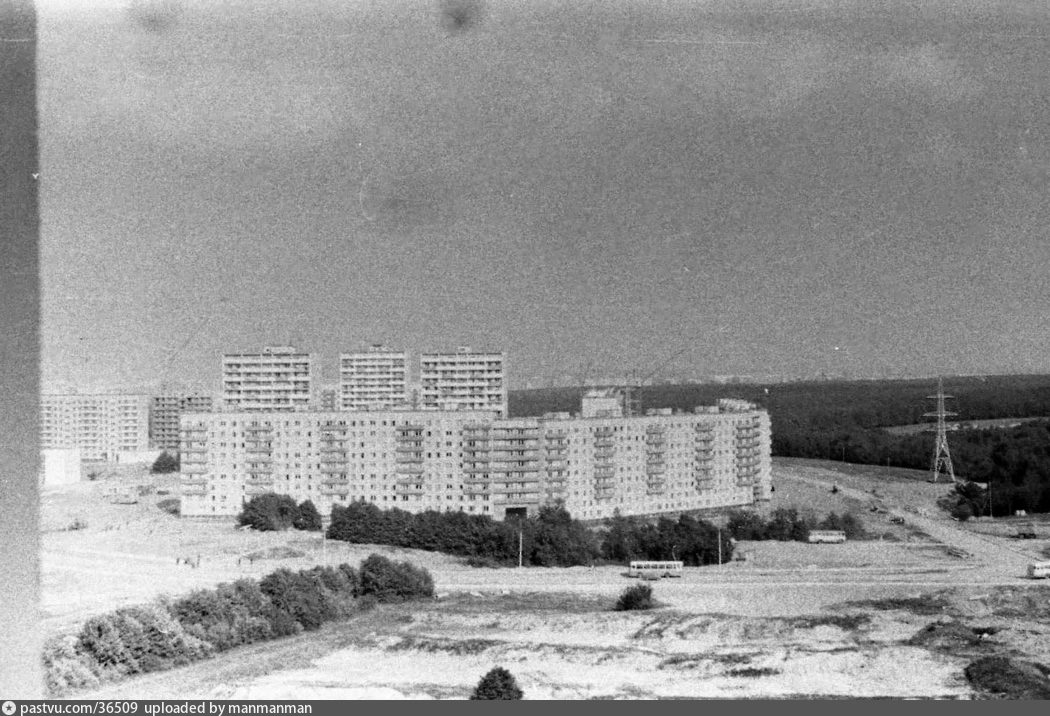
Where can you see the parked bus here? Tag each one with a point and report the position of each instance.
(654, 570)
(1039, 570)
(827, 536)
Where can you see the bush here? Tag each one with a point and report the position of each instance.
(165, 462)
(394, 582)
(497, 685)
(140, 639)
(308, 518)
(67, 668)
(638, 597)
(269, 512)
(962, 511)
(1010, 678)
(171, 505)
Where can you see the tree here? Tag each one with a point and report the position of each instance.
(308, 518)
(497, 685)
(165, 462)
(269, 512)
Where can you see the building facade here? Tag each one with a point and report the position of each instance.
(164, 414)
(279, 379)
(100, 425)
(478, 462)
(464, 380)
(375, 379)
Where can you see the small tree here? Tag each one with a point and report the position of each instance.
(269, 512)
(497, 685)
(165, 462)
(309, 518)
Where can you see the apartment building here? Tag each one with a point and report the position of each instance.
(478, 462)
(374, 379)
(276, 380)
(164, 414)
(464, 380)
(100, 425)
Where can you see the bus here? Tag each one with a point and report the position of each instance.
(1039, 570)
(654, 570)
(827, 536)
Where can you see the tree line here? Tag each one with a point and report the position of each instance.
(174, 632)
(552, 538)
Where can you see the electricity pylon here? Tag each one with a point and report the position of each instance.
(942, 458)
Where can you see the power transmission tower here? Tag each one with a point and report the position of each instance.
(942, 458)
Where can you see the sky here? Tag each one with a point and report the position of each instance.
(600, 189)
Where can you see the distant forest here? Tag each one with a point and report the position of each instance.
(839, 420)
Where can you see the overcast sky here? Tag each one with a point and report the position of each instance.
(690, 187)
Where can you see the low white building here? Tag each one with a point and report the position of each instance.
(60, 466)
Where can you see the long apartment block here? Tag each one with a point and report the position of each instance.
(478, 462)
(278, 379)
(463, 380)
(375, 379)
(100, 425)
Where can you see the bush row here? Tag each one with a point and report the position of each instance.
(175, 632)
(786, 524)
(694, 542)
(551, 539)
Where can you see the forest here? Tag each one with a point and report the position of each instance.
(844, 420)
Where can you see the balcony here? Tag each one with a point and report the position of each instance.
(409, 469)
(193, 490)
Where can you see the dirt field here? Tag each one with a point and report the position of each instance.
(785, 623)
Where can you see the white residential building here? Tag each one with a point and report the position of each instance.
(277, 379)
(464, 380)
(101, 425)
(478, 462)
(375, 379)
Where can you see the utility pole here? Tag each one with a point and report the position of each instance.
(520, 541)
(719, 546)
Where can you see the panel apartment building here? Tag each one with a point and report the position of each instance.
(164, 414)
(478, 462)
(375, 379)
(464, 380)
(279, 379)
(100, 425)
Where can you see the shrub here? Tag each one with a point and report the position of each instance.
(394, 581)
(1010, 678)
(497, 685)
(171, 505)
(135, 640)
(308, 518)
(66, 668)
(269, 512)
(962, 511)
(298, 596)
(640, 596)
(165, 462)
